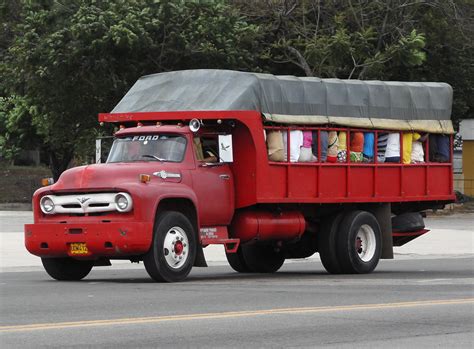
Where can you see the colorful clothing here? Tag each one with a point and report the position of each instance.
(342, 156)
(342, 136)
(306, 154)
(357, 142)
(342, 148)
(408, 139)
(307, 139)
(324, 144)
(332, 146)
(382, 139)
(356, 156)
(369, 141)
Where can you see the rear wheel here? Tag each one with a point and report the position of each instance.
(358, 243)
(237, 262)
(327, 243)
(67, 269)
(262, 258)
(171, 256)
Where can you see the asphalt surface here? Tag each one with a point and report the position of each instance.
(424, 298)
(408, 303)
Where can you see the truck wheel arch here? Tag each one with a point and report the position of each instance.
(187, 207)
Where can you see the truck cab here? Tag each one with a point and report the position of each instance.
(109, 211)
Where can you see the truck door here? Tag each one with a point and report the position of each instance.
(213, 183)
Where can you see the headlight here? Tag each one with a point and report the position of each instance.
(123, 202)
(47, 205)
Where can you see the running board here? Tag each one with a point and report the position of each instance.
(218, 236)
(401, 238)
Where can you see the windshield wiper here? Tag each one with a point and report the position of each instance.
(153, 157)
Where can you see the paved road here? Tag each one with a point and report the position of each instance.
(451, 235)
(415, 303)
(423, 298)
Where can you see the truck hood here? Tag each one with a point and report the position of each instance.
(106, 176)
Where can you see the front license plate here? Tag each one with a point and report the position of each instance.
(78, 248)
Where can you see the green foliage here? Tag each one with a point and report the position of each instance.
(16, 132)
(449, 53)
(62, 62)
(341, 39)
(371, 39)
(71, 60)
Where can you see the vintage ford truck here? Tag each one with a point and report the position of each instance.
(190, 166)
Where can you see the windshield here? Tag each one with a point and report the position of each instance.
(148, 148)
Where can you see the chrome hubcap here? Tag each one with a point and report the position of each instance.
(365, 243)
(176, 247)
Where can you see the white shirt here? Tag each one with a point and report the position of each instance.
(417, 153)
(393, 145)
(296, 142)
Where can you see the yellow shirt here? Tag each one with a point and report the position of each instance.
(342, 140)
(408, 139)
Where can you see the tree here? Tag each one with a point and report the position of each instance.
(370, 39)
(339, 38)
(449, 29)
(71, 60)
(16, 132)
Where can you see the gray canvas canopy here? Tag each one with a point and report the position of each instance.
(424, 106)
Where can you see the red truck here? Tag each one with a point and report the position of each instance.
(191, 166)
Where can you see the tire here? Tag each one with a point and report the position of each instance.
(67, 269)
(327, 243)
(262, 258)
(407, 222)
(359, 243)
(173, 250)
(237, 262)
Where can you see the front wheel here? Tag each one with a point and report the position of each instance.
(173, 249)
(359, 243)
(67, 269)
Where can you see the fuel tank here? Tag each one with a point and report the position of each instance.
(265, 225)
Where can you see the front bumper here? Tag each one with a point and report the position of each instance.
(114, 239)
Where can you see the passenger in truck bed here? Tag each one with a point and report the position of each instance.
(417, 152)
(275, 145)
(296, 141)
(392, 152)
(408, 139)
(369, 140)
(439, 148)
(323, 142)
(357, 145)
(332, 146)
(381, 146)
(342, 149)
(306, 154)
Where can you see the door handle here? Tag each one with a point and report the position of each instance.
(224, 176)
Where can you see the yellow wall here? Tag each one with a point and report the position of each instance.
(468, 166)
